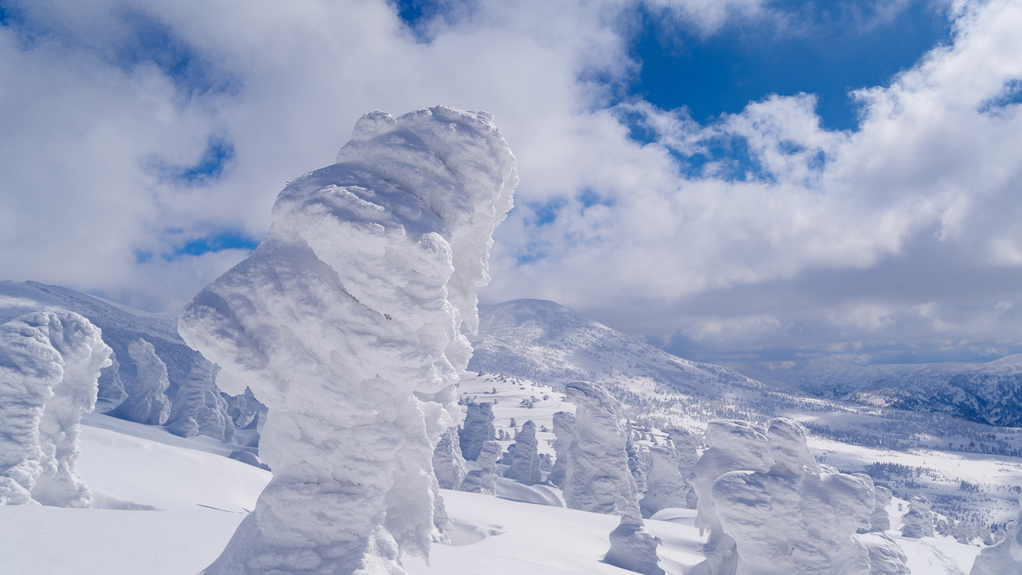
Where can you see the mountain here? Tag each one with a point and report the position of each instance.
(120, 324)
(989, 393)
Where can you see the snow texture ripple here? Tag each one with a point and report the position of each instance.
(49, 367)
(346, 323)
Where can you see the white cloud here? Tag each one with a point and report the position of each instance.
(639, 233)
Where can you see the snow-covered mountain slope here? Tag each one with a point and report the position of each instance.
(544, 341)
(121, 325)
(988, 393)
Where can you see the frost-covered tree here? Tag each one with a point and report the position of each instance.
(794, 519)
(199, 408)
(632, 547)
(477, 429)
(525, 461)
(147, 401)
(346, 322)
(448, 464)
(49, 367)
(731, 446)
(1003, 558)
(598, 477)
(918, 522)
(664, 485)
(484, 479)
(564, 433)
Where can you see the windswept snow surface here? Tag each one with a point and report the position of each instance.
(346, 322)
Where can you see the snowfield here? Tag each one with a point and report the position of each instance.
(169, 505)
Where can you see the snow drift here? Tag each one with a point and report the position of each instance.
(345, 322)
(49, 367)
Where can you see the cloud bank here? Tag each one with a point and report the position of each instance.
(145, 141)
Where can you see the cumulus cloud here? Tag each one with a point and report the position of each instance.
(133, 129)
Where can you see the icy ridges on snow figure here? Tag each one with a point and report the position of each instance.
(598, 476)
(477, 429)
(448, 464)
(731, 446)
(1004, 557)
(564, 433)
(147, 401)
(794, 519)
(198, 407)
(49, 367)
(918, 522)
(525, 461)
(346, 323)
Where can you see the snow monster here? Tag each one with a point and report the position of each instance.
(346, 322)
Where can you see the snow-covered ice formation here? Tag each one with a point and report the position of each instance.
(198, 407)
(1003, 558)
(525, 461)
(477, 429)
(918, 522)
(564, 434)
(448, 464)
(484, 479)
(346, 323)
(632, 547)
(598, 477)
(49, 367)
(794, 519)
(147, 400)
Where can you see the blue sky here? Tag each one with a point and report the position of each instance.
(757, 183)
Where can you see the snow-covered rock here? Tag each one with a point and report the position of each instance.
(794, 519)
(525, 462)
(665, 486)
(918, 522)
(448, 464)
(1003, 558)
(346, 323)
(199, 408)
(49, 367)
(484, 479)
(477, 429)
(598, 477)
(632, 547)
(147, 400)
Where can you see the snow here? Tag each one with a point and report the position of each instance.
(346, 323)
